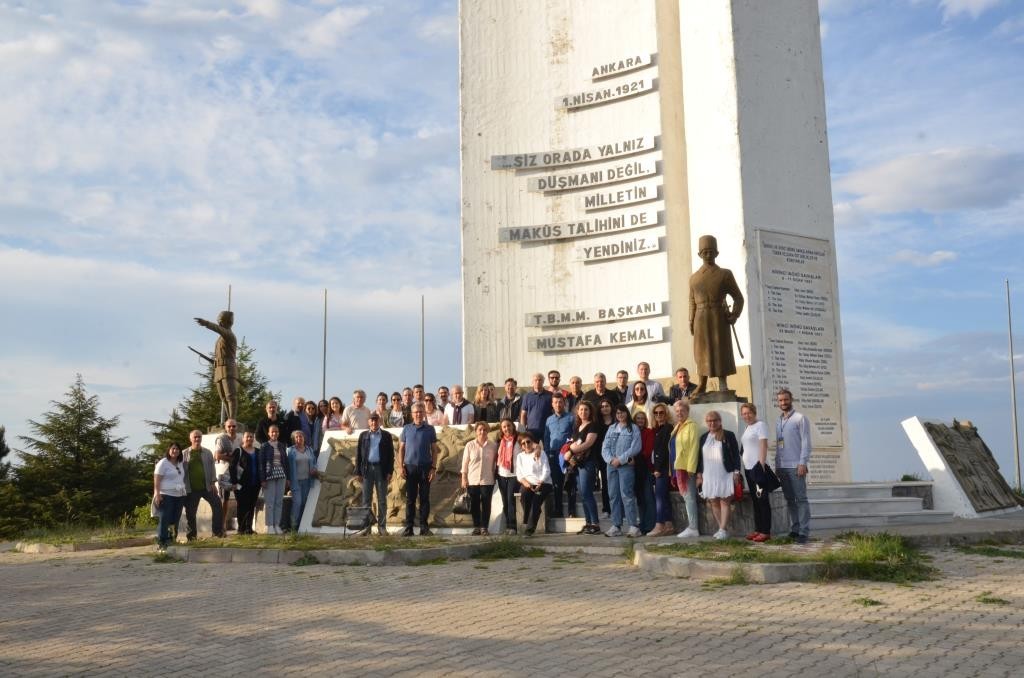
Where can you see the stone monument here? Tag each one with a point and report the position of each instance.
(711, 323)
(597, 146)
(225, 367)
(966, 478)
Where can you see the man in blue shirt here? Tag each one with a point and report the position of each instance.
(417, 458)
(375, 464)
(792, 454)
(557, 432)
(536, 408)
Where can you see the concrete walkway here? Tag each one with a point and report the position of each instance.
(119, 613)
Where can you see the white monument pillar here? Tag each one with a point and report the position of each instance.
(598, 146)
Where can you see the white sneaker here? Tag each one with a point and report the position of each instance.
(634, 532)
(613, 532)
(721, 534)
(688, 533)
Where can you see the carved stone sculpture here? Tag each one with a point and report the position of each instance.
(711, 319)
(225, 366)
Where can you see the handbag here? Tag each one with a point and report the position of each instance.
(737, 487)
(461, 503)
(764, 479)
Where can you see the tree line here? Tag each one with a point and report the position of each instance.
(74, 470)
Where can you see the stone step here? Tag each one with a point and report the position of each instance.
(850, 490)
(853, 521)
(859, 506)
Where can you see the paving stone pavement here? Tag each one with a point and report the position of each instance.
(118, 613)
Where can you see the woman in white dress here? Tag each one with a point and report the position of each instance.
(718, 469)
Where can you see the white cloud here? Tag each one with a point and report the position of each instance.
(924, 259)
(267, 9)
(974, 8)
(439, 28)
(938, 181)
(1012, 28)
(324, 34)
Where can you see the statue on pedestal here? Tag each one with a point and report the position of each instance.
(711, 322)
(225, 367)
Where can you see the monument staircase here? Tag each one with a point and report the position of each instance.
(842, 506)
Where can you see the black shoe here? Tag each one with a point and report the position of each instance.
(802, 540)
(425, 532)
(585, 530)
(475, 532)
(529, 532)
(407, 532)
(794, 535)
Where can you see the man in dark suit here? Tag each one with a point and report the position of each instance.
(375, 463)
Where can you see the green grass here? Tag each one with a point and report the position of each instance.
(163, 558)
(867, 602)
(875, 557)
(991, 551)
(506, 548)
(306, 559)
(71, 534)
(988, 598)
(308, 542)
(738, 577)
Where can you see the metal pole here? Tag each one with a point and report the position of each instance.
(323, 383)
(1013, 386)
(423, 353)
(229, 297)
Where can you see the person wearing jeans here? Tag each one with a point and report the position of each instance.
(302, 467)
(581, 454)
(684, 441)
(660, 461)
(792, 454)
(273, 465)
(375, 463)
(168, 493)
(508, 485)
(621, 446)
(245, 476)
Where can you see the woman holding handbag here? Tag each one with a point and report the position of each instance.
(754, 443)
(582, 454)
(479, 460)
(718, 469)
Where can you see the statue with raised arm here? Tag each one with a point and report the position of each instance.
(711, 319)
(225, 367)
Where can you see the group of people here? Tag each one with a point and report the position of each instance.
(634, 442)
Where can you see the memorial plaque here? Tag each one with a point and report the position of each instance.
(973, 465)
(606, 94)
(557, 343)
(575, 156)
(621, 66)
(603, 314)
(617, 249)
(800, 332)
(596, 176)
(582, 228)
(617, 197)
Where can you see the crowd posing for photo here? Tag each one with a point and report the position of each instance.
(631, 445)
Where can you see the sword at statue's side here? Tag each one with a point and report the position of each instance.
(737, 338)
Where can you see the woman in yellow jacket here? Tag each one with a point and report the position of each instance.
(683, 445)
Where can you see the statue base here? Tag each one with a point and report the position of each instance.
(727, 396)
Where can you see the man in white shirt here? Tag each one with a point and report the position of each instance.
(356, 415)
(655, 391)
(459, 411)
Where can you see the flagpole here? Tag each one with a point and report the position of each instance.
(423, 353)
(1013, 386)
(323, 382)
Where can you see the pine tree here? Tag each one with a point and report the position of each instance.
(74, 470)
(200, 409)
(5, 466)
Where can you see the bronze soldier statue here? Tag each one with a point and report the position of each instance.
(711, 320)
(225, 368)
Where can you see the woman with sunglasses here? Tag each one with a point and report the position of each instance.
(435, 415)
(661, 470)
(396, 415)
(643, 486)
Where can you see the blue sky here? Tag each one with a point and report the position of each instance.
(154, 152)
